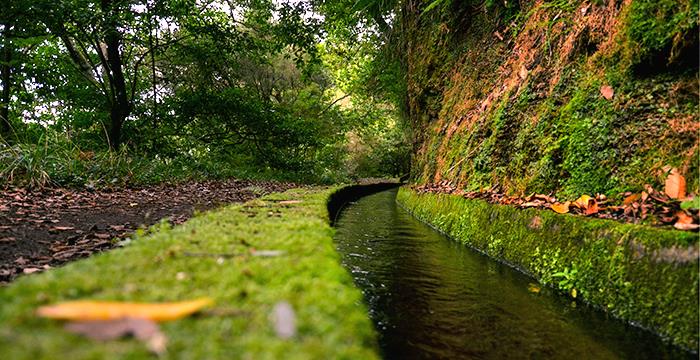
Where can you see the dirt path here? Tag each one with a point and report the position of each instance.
(43, 229)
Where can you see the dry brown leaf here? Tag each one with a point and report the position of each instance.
(107, 310)
(61, 228)
(685, 222)
(607, 92)
(561, 208)
(142, 329)
(289, 202)
(632, 198)
(592, 209)
(675, 185)
(523, 72)
(686, 227)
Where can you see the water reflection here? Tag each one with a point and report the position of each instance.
(430, 297)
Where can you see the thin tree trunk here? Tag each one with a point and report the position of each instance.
(6, 74)
(153, 41)
(120, 107)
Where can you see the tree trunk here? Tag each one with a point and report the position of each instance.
(153, 27)
(6, 75)
(120, 106)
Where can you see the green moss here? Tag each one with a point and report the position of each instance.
(561, 137)
(653, 24)
(332, 322)
(638, 273)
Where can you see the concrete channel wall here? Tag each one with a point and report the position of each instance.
(645, 275)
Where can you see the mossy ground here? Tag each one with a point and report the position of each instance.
(332, 321)
(638, 273)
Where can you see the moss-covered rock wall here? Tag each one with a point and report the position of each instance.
(565, 96)
(638, 273)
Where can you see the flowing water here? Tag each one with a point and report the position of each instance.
(430, 297)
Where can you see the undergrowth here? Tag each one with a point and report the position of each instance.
(56, 161)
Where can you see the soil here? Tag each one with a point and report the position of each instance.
(43, 229)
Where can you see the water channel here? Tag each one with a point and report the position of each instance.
(433, 298)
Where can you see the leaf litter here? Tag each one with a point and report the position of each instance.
(57, 225)
(670, 207)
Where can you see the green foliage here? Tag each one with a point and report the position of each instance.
(202, 85)
(654, 24)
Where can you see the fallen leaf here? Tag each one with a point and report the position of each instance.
(607, 92)
(686, 227)
(533, 288)
(289, 202)
(8, 239)
(103, 236)
(284, 320)
(61, 228)
(530, 204)
(142, 329)
(685, 222)
(632, 198)
(117, 227)
(30, 270)
(561, 208)
(582, 202)
(587, 204)
(523, 72)
(675, 185)
(267, 253)
(107, 310)
(592, 209)
(645, 196)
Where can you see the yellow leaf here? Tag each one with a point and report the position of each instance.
(587, 204)
(533, 288)
(561, 208)
(105, 310)
(573, 293)
(582, 202)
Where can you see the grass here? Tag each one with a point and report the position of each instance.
(332, 321)
(59, 162)
(637, 273)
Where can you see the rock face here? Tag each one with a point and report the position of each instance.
(570, 97)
